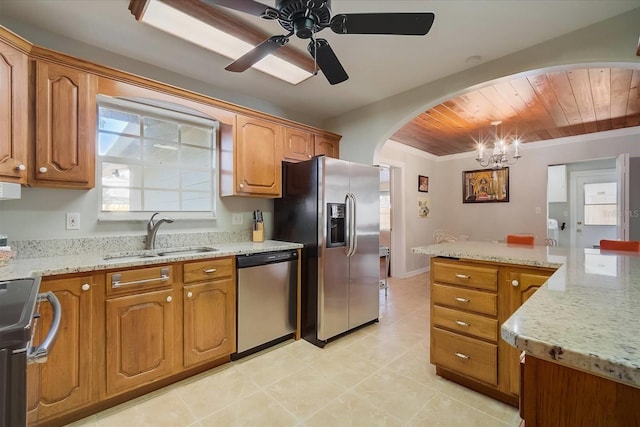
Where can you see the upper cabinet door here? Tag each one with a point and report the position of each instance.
(326, 145)
(65, 127)
(258, 157)
(298, 145)
(14, 114)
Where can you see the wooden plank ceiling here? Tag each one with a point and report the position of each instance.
(537, 107)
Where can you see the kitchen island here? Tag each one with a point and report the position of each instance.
(579, 331)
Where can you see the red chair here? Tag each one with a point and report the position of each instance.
(520, 240)
(620, 245)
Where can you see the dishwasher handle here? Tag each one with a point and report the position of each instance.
(252, 260)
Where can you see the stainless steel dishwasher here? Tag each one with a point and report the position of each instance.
(267, 297)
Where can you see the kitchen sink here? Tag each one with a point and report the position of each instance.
(129, 257)
(155, 253)
(186, 251)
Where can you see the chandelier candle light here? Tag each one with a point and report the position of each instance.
(499, 158)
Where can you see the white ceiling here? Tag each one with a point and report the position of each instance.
(378, 66)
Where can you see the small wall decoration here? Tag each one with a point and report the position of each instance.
(423, 207)
(423, 184)
(485, 186)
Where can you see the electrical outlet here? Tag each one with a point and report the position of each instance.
(73, 221)
(236, 219)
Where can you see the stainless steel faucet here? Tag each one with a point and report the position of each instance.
(152, 229)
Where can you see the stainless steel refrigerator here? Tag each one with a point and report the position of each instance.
(332, 207)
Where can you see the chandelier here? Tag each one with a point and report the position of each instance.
(503, 153)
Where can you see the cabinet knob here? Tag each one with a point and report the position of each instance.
(20, 167)
(309, 156)
(241, 185)
(169, 298)
(42, 169)
(189, 294)
(515, 283)
(86, 287)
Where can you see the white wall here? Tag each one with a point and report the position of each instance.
(410, 230)
(40, 214)
(488, 221)
(527, 187)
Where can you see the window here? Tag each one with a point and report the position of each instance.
(154, 159)
(600, 203)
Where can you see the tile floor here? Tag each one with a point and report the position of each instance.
(376, 376)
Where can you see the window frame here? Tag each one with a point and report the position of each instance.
(167, 111)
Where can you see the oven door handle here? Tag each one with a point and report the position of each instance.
(40, 353)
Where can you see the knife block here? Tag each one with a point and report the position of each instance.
(258, 235)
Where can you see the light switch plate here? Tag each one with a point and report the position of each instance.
(73, 221)
(236, 219)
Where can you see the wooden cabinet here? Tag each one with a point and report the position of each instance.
(209, 297)
(257, 158)
(519, 285)
(556, 395)
(14, 118)
(139, 328)
(329, 145)
(67, 380)
(298, 145)
(469, 302)
(65, 127)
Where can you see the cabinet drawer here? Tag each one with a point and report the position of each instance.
(467, 356)
(466, 275)
(139, 279)
(466, 299)
(206, 270)
(472, 324)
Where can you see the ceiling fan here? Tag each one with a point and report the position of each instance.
(304, 18)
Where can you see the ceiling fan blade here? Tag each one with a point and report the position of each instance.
(268, 46)
(247, 6)
(407, 24)
(327, 61)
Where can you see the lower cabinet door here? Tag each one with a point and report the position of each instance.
(209, 321)
(140, 340)
(64, 382)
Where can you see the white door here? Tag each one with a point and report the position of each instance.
(593, 210)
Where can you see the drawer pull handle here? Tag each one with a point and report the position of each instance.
(461, 323)
(462, 356)
(463, 276)
(116, 283)
(464, 300)
(210, 270)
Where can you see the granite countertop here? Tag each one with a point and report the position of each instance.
(52, 265)
(585, 316)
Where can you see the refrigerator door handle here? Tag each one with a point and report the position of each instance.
(354, 225)
(349, 236)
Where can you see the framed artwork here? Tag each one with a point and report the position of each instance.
(423, 184)
(423, 207)
(485, 186)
